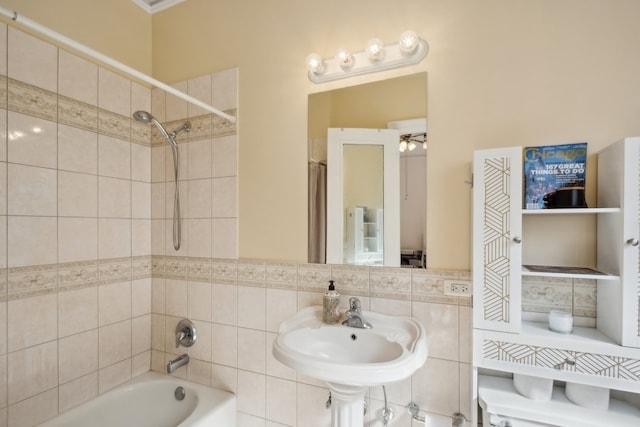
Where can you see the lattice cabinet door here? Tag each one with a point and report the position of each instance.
(619, 241)
(497, 231)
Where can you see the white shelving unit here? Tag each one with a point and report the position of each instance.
(364, 236)
(608, 356)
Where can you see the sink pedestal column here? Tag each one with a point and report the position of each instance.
(347, 405)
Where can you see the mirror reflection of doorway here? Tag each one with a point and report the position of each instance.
(363, 210)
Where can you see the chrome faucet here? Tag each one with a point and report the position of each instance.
(176, 363)
(354, 315)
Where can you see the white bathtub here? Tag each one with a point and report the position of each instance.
(149, 401)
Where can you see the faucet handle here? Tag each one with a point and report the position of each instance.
(354, 304)
(185, 333)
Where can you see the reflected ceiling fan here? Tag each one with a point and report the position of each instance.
(410, 141)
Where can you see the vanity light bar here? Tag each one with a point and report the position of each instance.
(409, 50)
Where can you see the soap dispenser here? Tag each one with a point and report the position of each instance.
(330, 303)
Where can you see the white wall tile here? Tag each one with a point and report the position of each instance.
(251, 393)
(280, 305)
(78, 311)
(281, 399)
(34, 410)
(77, 194)
(114, 157)
(77, 150)
(252, 305)
(32, 141)
(32, 191)
(200, 159)
(114, 344)
(32, 321)
(32, 60)
(114, 92)
(114, 303)
(224, 304)
(251, 350)
(77, 78)
(224, 154)
(141, 334)
(78, 391)
(224, 345)
(77, 355)
(32, 371)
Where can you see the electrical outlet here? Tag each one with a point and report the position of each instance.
(457, 288)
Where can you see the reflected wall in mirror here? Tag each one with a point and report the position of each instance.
(371, 105)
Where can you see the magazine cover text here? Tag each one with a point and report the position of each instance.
(548, 168)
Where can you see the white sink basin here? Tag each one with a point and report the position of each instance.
(392, 350)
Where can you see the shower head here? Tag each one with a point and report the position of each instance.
(142, 116)
(145, 117)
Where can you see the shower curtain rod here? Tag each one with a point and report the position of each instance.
(110, 61)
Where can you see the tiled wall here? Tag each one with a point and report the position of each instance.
(75, 230)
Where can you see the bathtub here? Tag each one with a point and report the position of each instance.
(149, 401)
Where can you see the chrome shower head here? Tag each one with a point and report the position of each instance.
(142, 116)
(145, 117)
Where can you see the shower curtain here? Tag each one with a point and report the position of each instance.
(317, 212)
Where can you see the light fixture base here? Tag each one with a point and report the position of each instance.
(393, 58)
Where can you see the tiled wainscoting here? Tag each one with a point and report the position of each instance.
(238, 305)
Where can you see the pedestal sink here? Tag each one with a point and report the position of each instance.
(351, 359)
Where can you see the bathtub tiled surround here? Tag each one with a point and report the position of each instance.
(91, 288)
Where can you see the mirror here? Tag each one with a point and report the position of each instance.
(371, 105)
(363, 205)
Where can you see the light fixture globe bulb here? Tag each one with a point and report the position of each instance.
(345, 59)
(375, 50)
(315, 64)
(409, 42)
(403, 146)
(411, 146)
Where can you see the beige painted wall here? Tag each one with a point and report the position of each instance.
(116, 28)
(500, 73)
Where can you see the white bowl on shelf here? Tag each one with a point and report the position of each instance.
(534, 388)
(588, 396)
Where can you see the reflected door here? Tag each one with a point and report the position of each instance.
(363, 204)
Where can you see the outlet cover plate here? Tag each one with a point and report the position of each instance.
(457, 288)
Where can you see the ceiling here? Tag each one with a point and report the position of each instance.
(153, 6)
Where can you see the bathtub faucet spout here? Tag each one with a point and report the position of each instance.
(176, 363)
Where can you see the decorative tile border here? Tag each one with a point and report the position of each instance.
(32, 281)
(77, 114)
(32, 100)
(380, 282)
(3, 92)
(350, 279)
(281, 276)
(202, 127)
(22, 282)
(77, 275)
(394, 283)
(28, 99)
(314, 277)
(541, 294)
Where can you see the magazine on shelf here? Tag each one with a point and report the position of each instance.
(550, 168)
